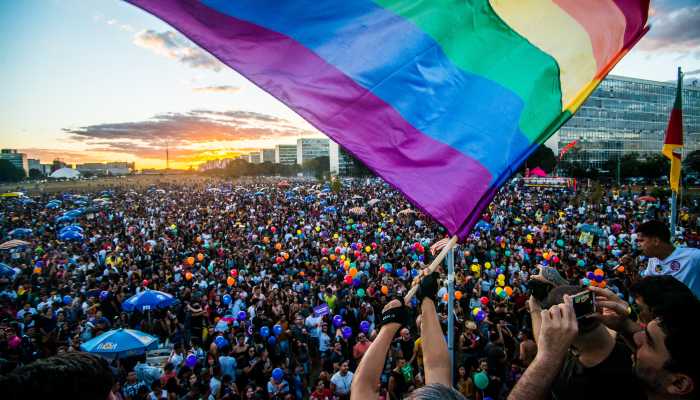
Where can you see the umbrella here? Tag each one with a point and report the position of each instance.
(483, 225)
(70, 235)
(11, 244)
(148, 300)
(12, 194)
(120, 343)
(357, 210)
(6, 271)
(406, 211)
(373, 202)
(647, 198)
(20, 233)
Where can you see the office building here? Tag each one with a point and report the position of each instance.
(255, 157)
(16, 158)
(268, 155)
(286, 154)
(341, 162)
(308, 149)
(628, 115)
(109, 168)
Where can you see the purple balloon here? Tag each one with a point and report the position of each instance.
(480, 316)
(241, 315)
(191, 361)
(337, 321)
(364, 326)
(347, 332)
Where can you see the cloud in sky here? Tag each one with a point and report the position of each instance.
(175, 46)
(188, 134)
(674, 30)
(217, 89)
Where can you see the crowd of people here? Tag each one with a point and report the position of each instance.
(281, 289)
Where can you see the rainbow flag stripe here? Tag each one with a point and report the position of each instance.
(442, 98)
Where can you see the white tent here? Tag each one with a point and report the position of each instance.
(65, 173)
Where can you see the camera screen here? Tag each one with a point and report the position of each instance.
(583, 304)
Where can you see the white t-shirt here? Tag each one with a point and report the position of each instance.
(683, 264)
(342, 383)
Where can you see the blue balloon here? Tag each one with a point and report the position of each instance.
(191, 361)
(277, 374)
(337, 321)
(271, 340)
(220, 341)
(241, 315)
(264, 331)
(67, 299)
(226, 299)
(104, 295)
(347, 332)
(277, 329)
(364, 326)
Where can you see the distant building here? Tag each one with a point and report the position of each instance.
(35, 164)
(341, 162)
(254, 157)
(58, 164)
(215, 164)
(268, 155)
(308, 149)
(16, 158)
(110, 168)
(629, 115)
(286, 154)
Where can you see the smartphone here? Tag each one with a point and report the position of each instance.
(584, 304)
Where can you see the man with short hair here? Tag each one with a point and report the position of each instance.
(682, 263)
(341, 381)
(132, 386)
(359, 349)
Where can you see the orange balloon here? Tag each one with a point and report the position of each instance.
(603, 285)
(200, 256)
(621, 269)
(509, 290)
(278, 246)
(230, 281)
(353, 272)
(458, 295)
(37, 270)
(333, 257)
(385, 290)
(301, 273)
(188, 275)
(445, 297)
(286, 256)
(190, 260)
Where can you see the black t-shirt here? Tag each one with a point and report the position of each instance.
(614, 378)
(407, 348)
(400, 386)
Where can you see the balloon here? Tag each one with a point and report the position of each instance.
(104, 295)
(385, 290)
(364, 326)
(264, 331)
(337, 321)
(484, 300)
(188, 275)
(361, 293)
(241, 315)
(560, 242)
(445, 297)
(586, 281)
(507, 253)
(508, 290)
(598, 278)
(475, 311)
(278, 246)
(352, 272)
(227, 299)
(277, 329)
(67, 299)
(347, 332)
(273, 229)
(481, 380)
(230, 281)
(581, 263)
(191, 361)
(598, 272)
(234, 273)
(487, 265)
(271, 340)
(145, 282)
(347, 280)
(501, 277)
(190, 260)
(200, 257)
(458, 295)
(480, 315)
(277, 374)
(220, 341)
(499, 290)
(368, 249)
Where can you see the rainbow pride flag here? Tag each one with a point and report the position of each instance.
(444, 99)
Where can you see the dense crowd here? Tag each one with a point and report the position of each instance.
(279, 286)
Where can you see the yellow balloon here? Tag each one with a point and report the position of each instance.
(335, 236)
(342, 257)
(487, 265)
(298, 231)
(318, 229)
(368, 249)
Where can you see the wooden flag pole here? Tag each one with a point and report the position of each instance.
(432, 267)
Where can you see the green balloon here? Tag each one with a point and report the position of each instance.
(481, 380)
(361, 292)
(560, 243)
(507, 253)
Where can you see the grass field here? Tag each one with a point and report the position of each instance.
(128, 182)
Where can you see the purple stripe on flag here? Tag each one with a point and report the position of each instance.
(440, 180)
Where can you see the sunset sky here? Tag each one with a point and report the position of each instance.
(100, 80)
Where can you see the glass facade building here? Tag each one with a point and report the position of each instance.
(286, 154)
(308, 149)
(628, 115)
(341, 162)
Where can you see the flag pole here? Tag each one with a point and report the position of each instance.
(674, 213)
(451, 309)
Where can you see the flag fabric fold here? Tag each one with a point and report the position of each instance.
(442, 99)
(673, 142)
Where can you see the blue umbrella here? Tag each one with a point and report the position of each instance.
(120, 343)
(483, 225)
(6, 271)
(70, 235)
(67, 228)
(20, 233)
(148, 300)
(64, 218)
(52, 205)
